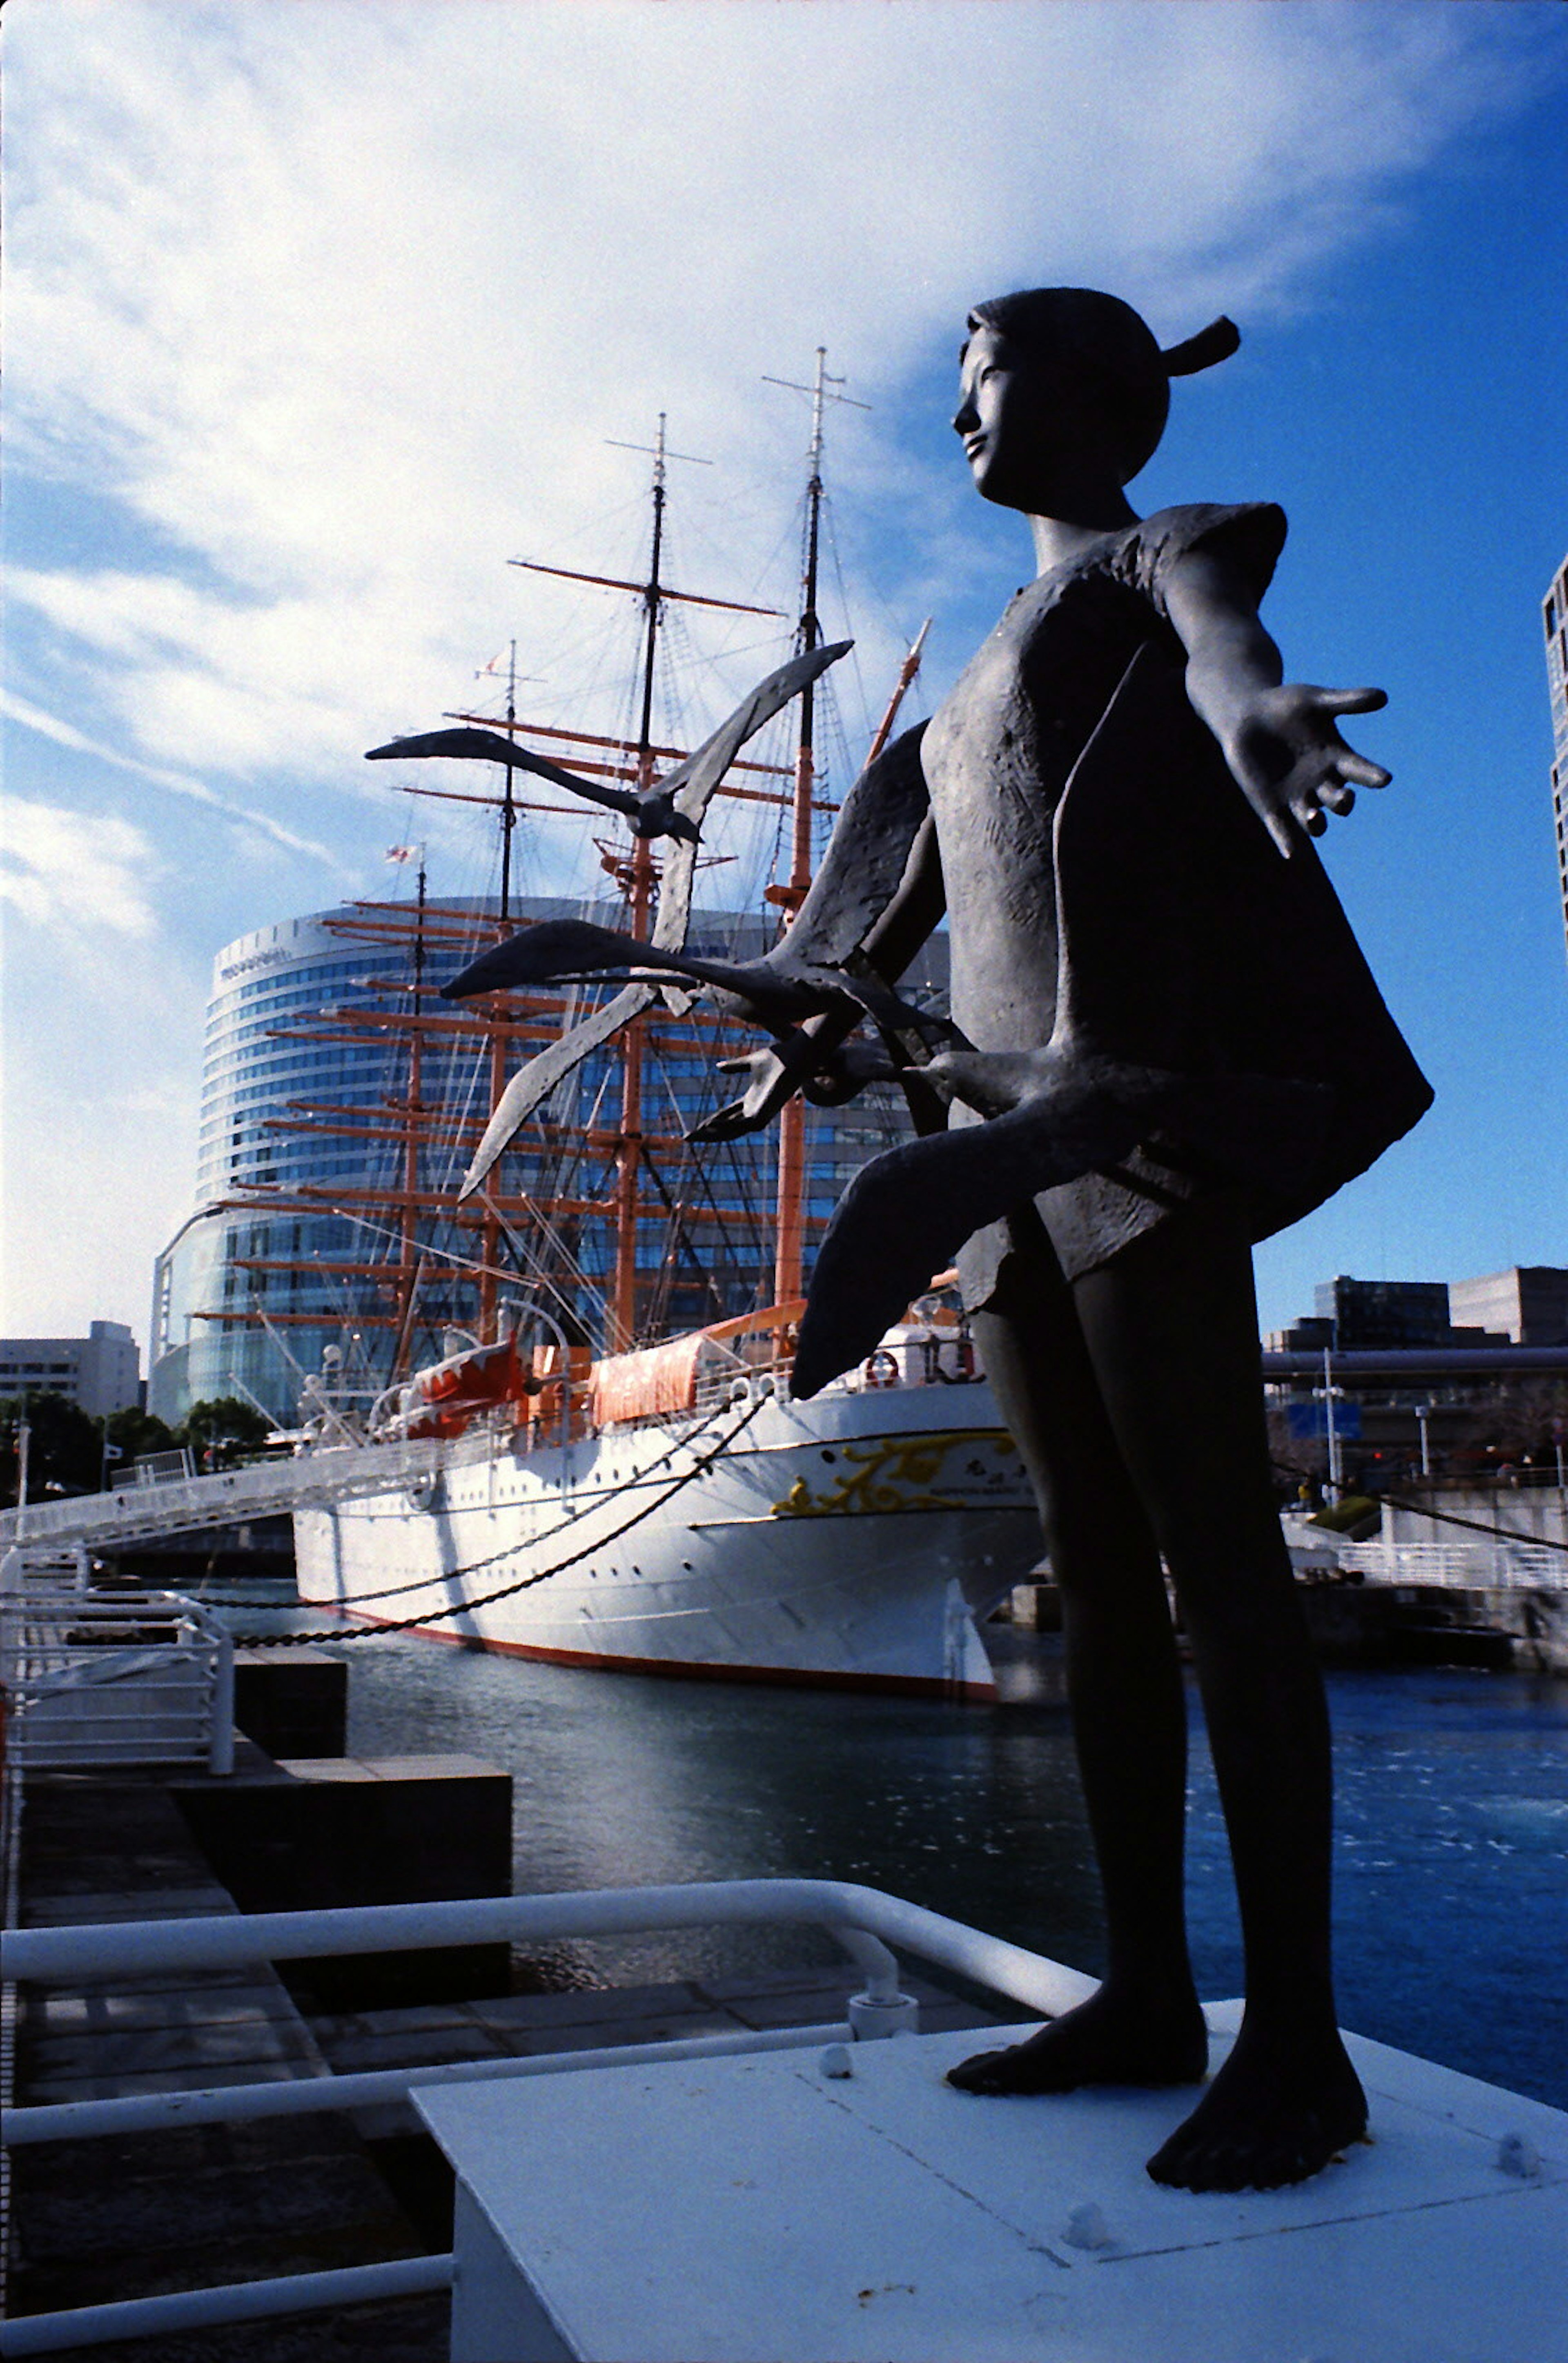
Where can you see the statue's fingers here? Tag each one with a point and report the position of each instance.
(1304, 791)
(1350, 701)
(1352, 766)
(726, 1123)
(1338, 796)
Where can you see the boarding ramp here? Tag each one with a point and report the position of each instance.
(181, 1504)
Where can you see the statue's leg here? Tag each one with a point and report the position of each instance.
(1171, 1329)
(1143, 2026)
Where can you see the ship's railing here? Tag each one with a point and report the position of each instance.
(1480, 1566)
(89, 1681)
(914, 1354)
(865, 1922)
(918, 1357)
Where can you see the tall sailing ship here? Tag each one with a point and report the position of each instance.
(621, 1479)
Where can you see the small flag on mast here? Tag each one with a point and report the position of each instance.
(402, 852)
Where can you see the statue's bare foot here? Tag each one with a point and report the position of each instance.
(1276, 2113)
(1106, 2040)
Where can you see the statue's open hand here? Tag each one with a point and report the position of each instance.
(829, 1074)
(773, 1081)
(1290, 762)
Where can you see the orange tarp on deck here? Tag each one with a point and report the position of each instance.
(660, 1379)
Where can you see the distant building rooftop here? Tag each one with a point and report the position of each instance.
(100, 1373)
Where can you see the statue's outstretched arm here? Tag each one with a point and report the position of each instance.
(1280, 739)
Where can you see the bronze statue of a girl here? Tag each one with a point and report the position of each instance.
(1165, 1045)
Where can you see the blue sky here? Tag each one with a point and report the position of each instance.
(319, 315)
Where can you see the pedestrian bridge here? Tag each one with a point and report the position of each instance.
(182, 1505)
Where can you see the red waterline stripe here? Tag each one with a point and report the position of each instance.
(681, 1669)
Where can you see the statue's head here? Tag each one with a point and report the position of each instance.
(1083, 371)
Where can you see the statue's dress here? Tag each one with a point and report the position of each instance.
(1107, 881)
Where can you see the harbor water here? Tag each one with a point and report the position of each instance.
(1452, 1836)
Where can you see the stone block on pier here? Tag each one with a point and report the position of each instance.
(318, 1833)
(292, 1702)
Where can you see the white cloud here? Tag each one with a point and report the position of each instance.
(343, 299)
(100, 1176)
(58, 869)
(65, 734)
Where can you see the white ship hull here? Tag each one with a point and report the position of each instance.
(852, 1540)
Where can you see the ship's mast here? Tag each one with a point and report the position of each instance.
(629, 1159)
(639, 879)
(789, 1207)
(502, 1031)
(490, 1228)
(637, 875)
(407, 1276)
(508, 801)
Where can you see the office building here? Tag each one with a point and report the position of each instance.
(1555, 620)
(1362, 1315)
(1527, 1303)
(100, 1373)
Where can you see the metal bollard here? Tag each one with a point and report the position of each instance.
(873, 2020)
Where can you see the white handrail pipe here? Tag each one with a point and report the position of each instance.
(215, 2104)
(203, 2308)
(862, 1918)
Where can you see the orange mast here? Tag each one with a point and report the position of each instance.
(790, 1199)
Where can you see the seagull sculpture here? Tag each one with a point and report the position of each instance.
(675, 808)
(650, 814)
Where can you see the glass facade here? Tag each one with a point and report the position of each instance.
(1554, 619)
(1364, 1315)
(341, 1102)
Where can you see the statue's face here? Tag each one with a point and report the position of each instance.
(1020, 417)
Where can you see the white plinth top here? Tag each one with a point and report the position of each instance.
(750, 2209)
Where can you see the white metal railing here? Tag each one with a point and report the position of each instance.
(864, 1921)
(262, 1489)
(1479, 1565)
(138, 1677)
(161, 2317)
(163, 1468)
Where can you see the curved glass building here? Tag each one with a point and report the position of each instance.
(341, 1102)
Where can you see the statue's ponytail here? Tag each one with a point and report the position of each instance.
(1214, 343)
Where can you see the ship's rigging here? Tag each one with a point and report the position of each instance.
(607, 1164)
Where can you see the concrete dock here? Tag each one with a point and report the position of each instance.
(106, 2219)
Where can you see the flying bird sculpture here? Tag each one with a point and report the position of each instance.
(677, 808)
(650, 813)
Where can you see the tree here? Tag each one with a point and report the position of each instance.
(1514, 1425)
(65, 1452)
(219, 1424)
(138, 1432)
